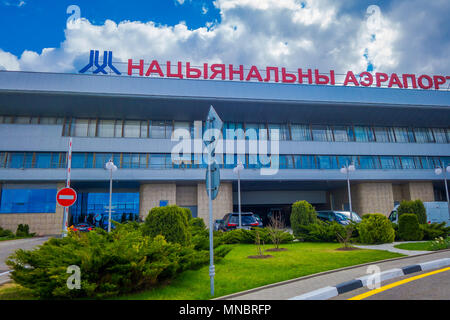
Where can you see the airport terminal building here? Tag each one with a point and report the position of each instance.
(394, 137)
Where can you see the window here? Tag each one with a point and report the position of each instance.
(305, 162)
(118, 129)
(321, 133)
(340, 133)
(22, 120)
(283, 131)
(408, 163)
(144, 129)
(15, 160)
(387, 162)
(78, 160)
(157, 161)
(384, 134)
(440, 136)
(364, 134)
(286, 162)
(43, 160)
(131, 129)
(368, 162)
(81, 127)
(301, 132)
(327, 162)
(28, 201)
(158, 130)
(423, 135)
(106, 128)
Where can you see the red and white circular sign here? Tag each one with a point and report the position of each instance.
(66, 197)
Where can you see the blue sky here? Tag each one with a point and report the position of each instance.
(410, 35)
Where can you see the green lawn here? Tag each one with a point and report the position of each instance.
(420, 246)
(236, 272)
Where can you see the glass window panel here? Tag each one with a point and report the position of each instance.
(144, 129)
(118, 129)
(16, 160)
(34, 120)
(363, 134)
(143, 161)
(22, 120)
(92, 130)
(157, 161)
(28, 160)
(78, 160)
(423, 135)
(47, 120)
(305, 162)
(367, 162)
(324, 162)
(2, 159)
(106, 128)
(55, 160)
(382, 134)
(28, 201)
(401, 135)
(43, 160)
(81, 127)
(340, 133)
(132, 129)
(387, 162)
(440, 136)
(408, 163)
(300, 132)
(321, 133)
(126, 160)
(158, 130)
(8, 119)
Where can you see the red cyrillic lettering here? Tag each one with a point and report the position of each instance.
(301, 76)
(394, 80)
(428, 78)
(437, 83)
(240, 72)
(381, 77)
(321, 79)
(413, 81)
(287, 77)
(216, 69)
(350, 77)
(205, 71)
(332, 78)
(368, 80)
(192, 73)
(154, 68)
(132, 66)
(253, 73)
(176, 75)
(275, 70)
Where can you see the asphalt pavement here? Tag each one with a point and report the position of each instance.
(431, 287)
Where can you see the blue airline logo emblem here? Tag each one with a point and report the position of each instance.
(93, 61)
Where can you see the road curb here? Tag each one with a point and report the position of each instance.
(344, 287)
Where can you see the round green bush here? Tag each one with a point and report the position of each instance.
(409, 228)
(170, 221)
(303, 214)
(375, 228)
(413, 206)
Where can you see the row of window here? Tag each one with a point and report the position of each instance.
(298, 132)
(43, 160)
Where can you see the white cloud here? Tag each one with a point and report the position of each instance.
(284, 33)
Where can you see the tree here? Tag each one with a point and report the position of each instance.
(276, 229)
(413, 206)
(303, 214)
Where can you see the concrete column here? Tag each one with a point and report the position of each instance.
(422, 190)
(150, 195)
(372, 197)
(222, 205)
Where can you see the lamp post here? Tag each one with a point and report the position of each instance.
(237, 170)
(111, 167)
(438, 171)
(346, 170)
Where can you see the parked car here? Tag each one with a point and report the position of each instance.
(82, 227)
(231, 221)
(354, 216)
(437, 211)
(260, 222)
(329, 216)
(217, 224)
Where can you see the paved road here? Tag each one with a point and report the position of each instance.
(8, 247)
(431, 287)
(293, 288)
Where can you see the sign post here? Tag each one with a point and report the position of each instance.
(69, 165)
(214, 124)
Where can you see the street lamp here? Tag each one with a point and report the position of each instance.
(438, 171)
(238, 169)
(111, 167)
(346, 170)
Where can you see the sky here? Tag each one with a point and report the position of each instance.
(402, 36)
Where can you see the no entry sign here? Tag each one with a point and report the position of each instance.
(66, 197)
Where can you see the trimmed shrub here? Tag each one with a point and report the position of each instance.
(249, 236)
(434, 230)
(5, 233)
(303, 214)
(23, 231)
(320, 232)
(408, 227)
(375, 228)
(413, 206)
(170, 221)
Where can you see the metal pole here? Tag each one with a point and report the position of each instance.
(239, 199)
(211, 246)
(446, 191)
(69, 165)
(349, 195)
(110, 199)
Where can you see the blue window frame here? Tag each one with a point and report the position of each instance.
(28, 201)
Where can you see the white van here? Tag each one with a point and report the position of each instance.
(436, 212)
